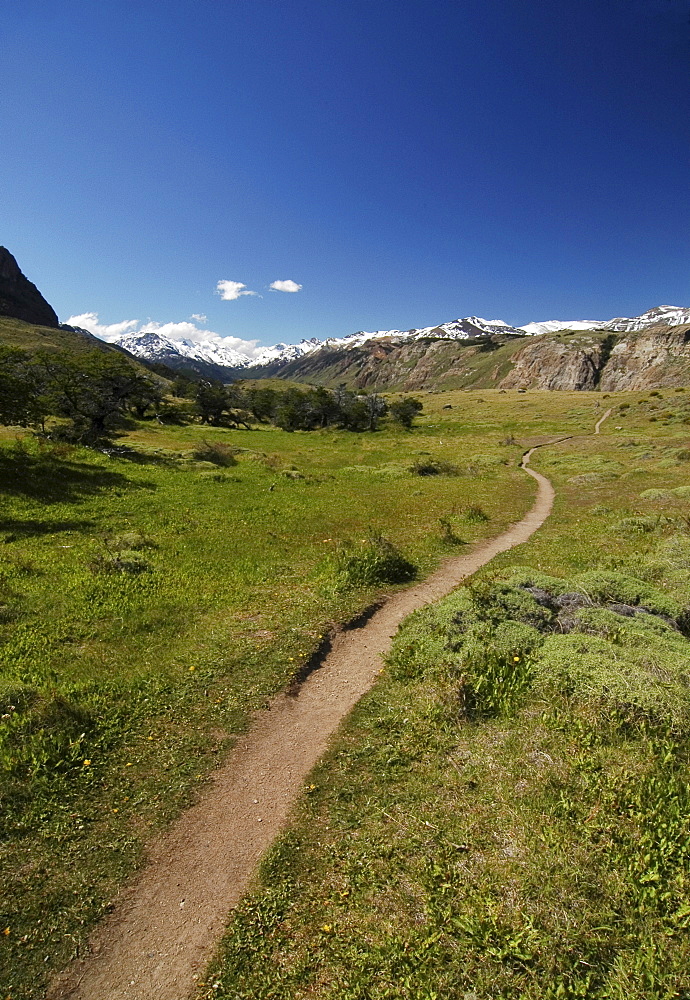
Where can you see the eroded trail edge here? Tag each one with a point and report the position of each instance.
(162, 933)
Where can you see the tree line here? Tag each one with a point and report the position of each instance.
(295, 409)
(95, 391)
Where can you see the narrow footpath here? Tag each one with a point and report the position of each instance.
(165, 927)
(601, 420)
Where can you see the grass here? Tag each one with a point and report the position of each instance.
(150, 600)
(505, 814)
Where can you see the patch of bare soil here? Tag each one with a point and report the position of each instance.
(163, 931)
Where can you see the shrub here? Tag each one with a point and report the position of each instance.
(125, 561)
(216, 452)
(403, 411)
(448, 535)
(602, 586)
(434, 467)
(122, 554)
(369, 562)
(495, 683)
(132, 540)
(476, 515)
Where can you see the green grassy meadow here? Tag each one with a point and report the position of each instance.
(506, 813)
(151, 601)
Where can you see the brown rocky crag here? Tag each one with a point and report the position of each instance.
(19, 297)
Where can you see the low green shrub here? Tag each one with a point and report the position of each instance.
(476, 515)
(448, 534)
(434, 467)
(372, 561)
(216, 452)
(601, 586)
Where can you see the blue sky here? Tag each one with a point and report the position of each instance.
(403, 162)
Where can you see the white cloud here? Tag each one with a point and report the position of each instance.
(183, 330)
(177, 331)
(199, 317)
(285, 286)
(109, 332)
(231, 290)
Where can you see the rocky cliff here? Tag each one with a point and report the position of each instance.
(651, 358)
(407, 365)
(639, 359)
(19, 297)
(566, 361)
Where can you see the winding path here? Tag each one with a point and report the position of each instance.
(163, 932)
(601, 420)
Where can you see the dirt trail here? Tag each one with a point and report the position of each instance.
(161, 935)
(601, 420)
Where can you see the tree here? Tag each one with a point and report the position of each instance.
(211, 401)
(403, 411)
(22, 388)
(147, 394)
(92, 390)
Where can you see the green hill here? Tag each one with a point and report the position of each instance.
(29, 337)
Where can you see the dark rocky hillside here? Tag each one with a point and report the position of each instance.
(19, 297)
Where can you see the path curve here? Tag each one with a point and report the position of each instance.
(601, 420)
(165, 927)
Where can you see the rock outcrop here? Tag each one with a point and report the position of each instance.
(553, 364)
(639, 359)
(649, 359)
(19, 297)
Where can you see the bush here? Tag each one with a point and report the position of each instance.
(403, 411)
(434, 467)
(216, 452)
(125, 561)
(495, 683)
(476, 515)
(448, 535)
(122, 554)
(373, 561)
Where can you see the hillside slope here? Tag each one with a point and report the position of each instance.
(31, 337)
(408, 365)
(562, 360)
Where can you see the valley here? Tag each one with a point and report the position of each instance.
(200, 575)
(125, 690)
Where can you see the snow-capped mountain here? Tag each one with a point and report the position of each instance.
(286, 352)
(211, 356)
(456, 329)
(158, 347)
(667, 315)
(554, 325)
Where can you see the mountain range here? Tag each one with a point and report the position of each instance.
(212, 359)
(640, 352)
